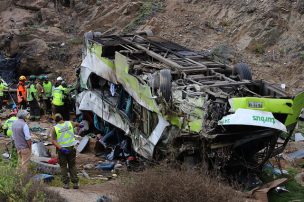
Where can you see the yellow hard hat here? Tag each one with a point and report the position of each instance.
(22, 78)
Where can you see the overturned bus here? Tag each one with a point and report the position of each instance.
(178, 104)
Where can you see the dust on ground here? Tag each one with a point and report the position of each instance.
(88, 193)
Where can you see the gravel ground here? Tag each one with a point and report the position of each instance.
(87, 193)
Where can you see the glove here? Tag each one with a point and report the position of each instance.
(64, 150)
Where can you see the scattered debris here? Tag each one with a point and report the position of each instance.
(106, 166)
(88, 166)
(53, 161)
(103, 199)
(43, 177)
(41, 164)
(281, 189)
(299, 137)
(6, 155)
(260, 193)
(277, 171)
(85, 174)
(118, 165)
(83, 143)
(39, 149)
(37, 129)
(295, 155)
(270, 169)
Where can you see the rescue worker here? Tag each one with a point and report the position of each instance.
(2, 88)
(58, 96)
(47, 87)
(7, 126)
(63, 139)
(40, 93)
(21, 93)
(66, 101)
(22, 140)
(62, 85)
(59, 79)
(32, 98)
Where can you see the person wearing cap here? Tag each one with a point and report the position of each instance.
(61, 107)
(7, 126)
(2, 88)
(62, 85)
(63, 138)
(32, 98)
(21, 93)
(47, 87)
(22, 140)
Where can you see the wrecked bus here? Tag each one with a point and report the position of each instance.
(178, 104)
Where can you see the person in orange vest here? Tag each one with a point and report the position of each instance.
(21, 93)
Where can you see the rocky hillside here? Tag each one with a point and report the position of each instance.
(48, 34)
(267, 34)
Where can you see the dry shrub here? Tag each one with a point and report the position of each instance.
(172, 185)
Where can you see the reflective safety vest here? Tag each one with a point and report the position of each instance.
(31, 90)
(58, 96)
(47, 87)
(2, 88)
(21, 90)
(8, 125)
(65, 90)
(65, 134)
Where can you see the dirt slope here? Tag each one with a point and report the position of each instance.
(48, 34)
(267, 34)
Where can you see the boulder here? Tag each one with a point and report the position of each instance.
(49, 16)
(132, 7)
(34, 58)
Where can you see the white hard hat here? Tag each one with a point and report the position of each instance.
(59, 78)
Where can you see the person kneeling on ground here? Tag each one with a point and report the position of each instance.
(63, 139)
(7, 126)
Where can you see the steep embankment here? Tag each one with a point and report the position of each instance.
(49, 36)
(267, 34)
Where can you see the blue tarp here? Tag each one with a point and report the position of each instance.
(296, 155)
(44, 177)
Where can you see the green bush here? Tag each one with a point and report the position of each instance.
(259, 49)
(148, 9)
(15, 187)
